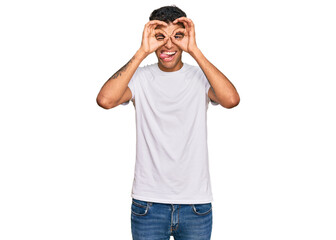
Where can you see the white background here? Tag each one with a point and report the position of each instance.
(67, 165)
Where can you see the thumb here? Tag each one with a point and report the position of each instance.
(175, 41)
(172, 38)
(179, 33)
(164, 41)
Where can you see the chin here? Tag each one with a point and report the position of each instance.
(171, 65)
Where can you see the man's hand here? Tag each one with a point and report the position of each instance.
(153, 38)
(185, 37)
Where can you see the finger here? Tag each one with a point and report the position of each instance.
(192, 25)
(178, 35)
(182, 19)
(156, 22)
(174, 41)
(177, 42)
(154, 27)
(160, 34)
(182, 31)
(153, 24)
(161, 31)
(185, 21)
(164, 41)
(185, 24)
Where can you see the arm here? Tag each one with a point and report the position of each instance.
(222, 89)
(115, 87)
(113, 91)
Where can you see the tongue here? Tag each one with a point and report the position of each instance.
(162, 55)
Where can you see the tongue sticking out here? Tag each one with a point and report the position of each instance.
(162, 55)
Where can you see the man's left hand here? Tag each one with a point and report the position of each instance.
(185, 37)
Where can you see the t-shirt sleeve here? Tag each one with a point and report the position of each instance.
(131, 85)
(207, 87)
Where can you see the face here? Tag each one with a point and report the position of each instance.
(169, 55)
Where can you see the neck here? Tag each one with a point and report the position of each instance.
(178, 66)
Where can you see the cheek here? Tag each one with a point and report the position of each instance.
(179, 54)
(180, 50)
(157, 53)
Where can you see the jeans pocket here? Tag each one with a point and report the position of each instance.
(139, 207)
(202, 209)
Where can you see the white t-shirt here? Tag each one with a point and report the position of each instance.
(171, 135)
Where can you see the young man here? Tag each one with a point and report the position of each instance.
(171, 192)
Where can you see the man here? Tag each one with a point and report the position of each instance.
(171, 194)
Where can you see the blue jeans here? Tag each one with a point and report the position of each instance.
(159, 221)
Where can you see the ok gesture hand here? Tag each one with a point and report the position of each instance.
(150, 39)
(185, 37)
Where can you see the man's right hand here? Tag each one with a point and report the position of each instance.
(153, 38)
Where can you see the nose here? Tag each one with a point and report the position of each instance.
(169, 44)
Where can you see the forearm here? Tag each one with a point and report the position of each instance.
(116, 85)
(224, 90)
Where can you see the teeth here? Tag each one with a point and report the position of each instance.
(169, 53)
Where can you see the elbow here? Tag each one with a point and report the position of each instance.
(104, 103)
(233, 102)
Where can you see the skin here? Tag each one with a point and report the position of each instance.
(159, 36)
(222, 90)
(170, 33)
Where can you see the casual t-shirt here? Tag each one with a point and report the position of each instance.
(171, 135)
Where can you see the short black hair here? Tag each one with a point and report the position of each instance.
(167, 14)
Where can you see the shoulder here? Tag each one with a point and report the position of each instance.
(191, 67)
(144, 73)
(194, 69)
(141, 70)
(146, 68)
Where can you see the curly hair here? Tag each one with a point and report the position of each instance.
(167, 14)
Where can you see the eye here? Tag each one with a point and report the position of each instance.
(179, 35)
(159, 37)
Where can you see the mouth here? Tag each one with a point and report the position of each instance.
(167, 56)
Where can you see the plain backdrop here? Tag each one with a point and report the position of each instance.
(67, 165)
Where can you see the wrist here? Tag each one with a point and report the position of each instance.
(141, 53)
(195, 52)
